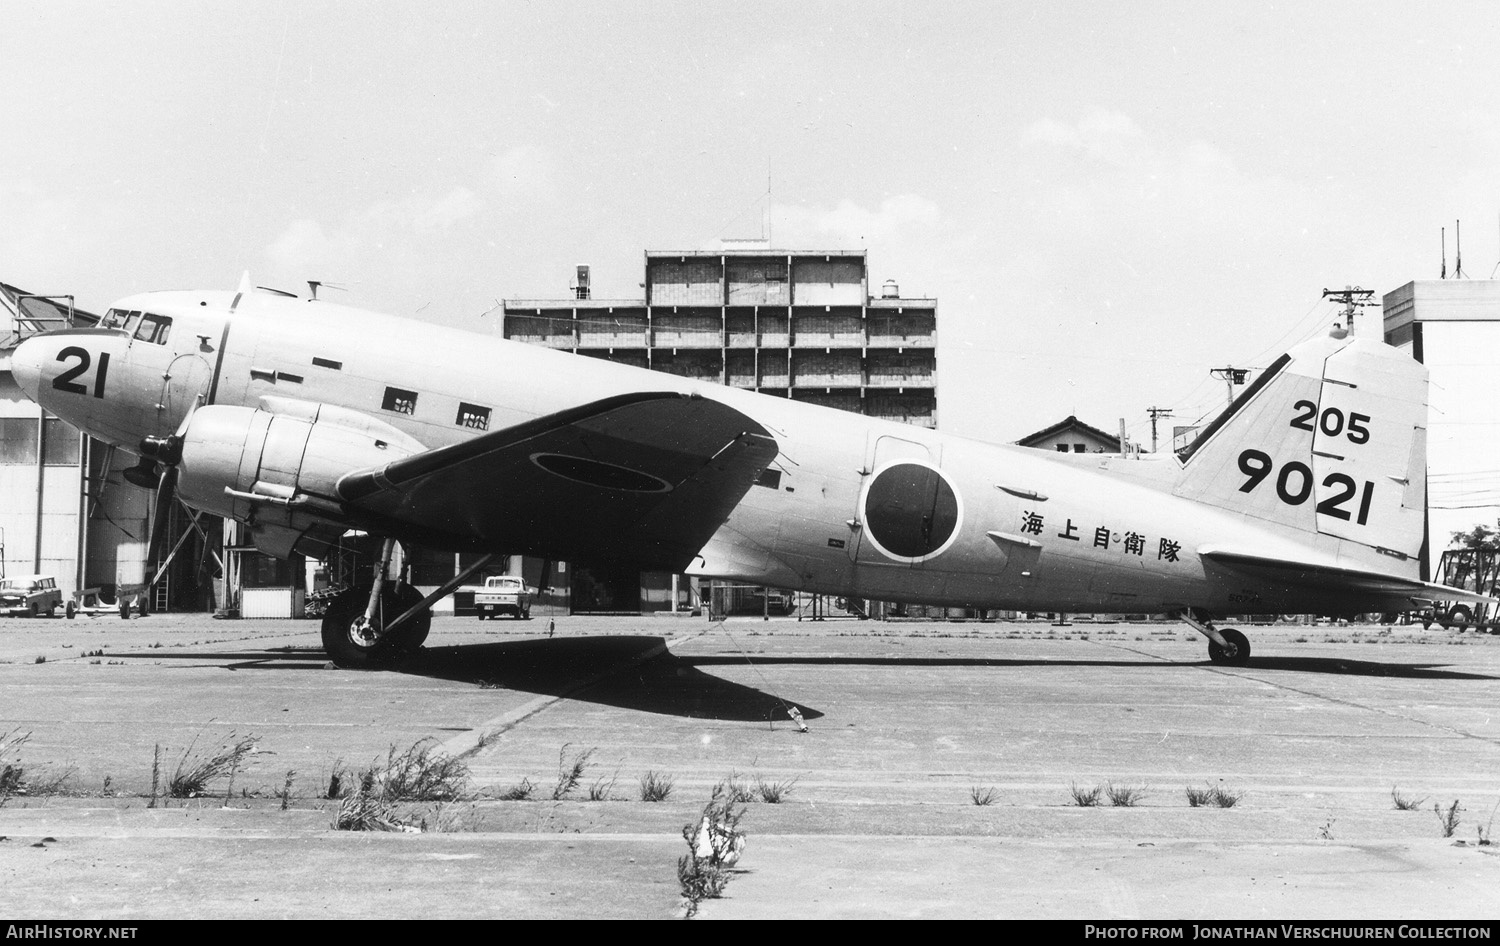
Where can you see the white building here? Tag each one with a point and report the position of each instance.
(1453, 327)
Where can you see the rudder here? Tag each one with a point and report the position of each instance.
(1330, 439)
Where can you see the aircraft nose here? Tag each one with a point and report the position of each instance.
(26, 366)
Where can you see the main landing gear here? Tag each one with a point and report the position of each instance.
(1225, 645)
(382, 623)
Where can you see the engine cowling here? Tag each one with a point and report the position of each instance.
(277, 469)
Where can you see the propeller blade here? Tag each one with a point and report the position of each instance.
(166, 494)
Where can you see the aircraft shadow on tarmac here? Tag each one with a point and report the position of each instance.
(607, 670)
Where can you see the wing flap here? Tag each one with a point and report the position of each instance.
(645, 478)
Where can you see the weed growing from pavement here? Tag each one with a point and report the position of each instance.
(715, 843)
(1085, 797)
(1447, 820)
(602, 790)
(570, 771)
(521, 791)
(1484, 829)
(983, 797)
(364, 812)
(421, 773)
(772, 793)
(1125, 796)
(736, 791)
(1213, 796)
(1404, 802)
(194, 771)
(335, 787)
(12, 773)
(655, 786)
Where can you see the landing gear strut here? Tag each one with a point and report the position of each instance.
(376, 625)
(360, 630)
(356, 642)
(1225, 646)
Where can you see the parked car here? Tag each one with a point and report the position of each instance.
(503, 594)
(29, 595)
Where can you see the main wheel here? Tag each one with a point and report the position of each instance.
(70, 610)
(1460, 616)
(1237, 654)
(354, 647)
(409, 637)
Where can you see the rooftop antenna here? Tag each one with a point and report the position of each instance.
(1458, 251)
(769, 242)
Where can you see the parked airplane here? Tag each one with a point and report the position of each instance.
(304, 419)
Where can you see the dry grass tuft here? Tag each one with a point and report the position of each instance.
(194, 770)
(655, 786)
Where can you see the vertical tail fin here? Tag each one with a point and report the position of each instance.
(1330, 439)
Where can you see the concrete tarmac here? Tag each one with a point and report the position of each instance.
(910, 727)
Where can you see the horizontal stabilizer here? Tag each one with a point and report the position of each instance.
(1337, 578)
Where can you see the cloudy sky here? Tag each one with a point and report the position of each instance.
(1107, 199)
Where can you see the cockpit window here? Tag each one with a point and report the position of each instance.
(116, 318)
(153, 328)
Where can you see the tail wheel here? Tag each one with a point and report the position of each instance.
(1460, 616)
(352, 646)
(1237, 654)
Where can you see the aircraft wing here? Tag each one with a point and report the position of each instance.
(1337, 578)
(643, 478)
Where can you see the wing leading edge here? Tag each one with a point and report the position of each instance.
(642, 478)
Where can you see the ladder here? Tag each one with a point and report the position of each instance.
(161, 595)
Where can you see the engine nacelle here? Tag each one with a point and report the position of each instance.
(277, 469)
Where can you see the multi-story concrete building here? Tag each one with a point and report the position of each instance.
(788, 323)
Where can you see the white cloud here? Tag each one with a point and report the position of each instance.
(456, 205)
(1111, 137)
(906, 216)
(385, 223)
(302, 243)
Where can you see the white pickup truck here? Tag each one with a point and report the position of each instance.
(503, 594)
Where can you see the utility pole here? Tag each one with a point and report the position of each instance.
(1354, 299)
(1156, 412)
(1230, 376)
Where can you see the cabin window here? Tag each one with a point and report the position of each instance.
(402, 402)
(153, 328)
(473, 416)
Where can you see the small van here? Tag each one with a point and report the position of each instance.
(29, 595)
